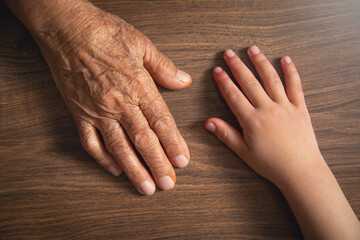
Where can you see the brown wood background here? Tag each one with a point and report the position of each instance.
(51, 189)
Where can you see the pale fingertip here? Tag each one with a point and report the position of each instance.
(229, 53)
(181, 161)
(217, 70)
(114, 171)
(210, 126)
(166, 183)
(147, 188)
(287, 59)
(253, 50)
(183, 77)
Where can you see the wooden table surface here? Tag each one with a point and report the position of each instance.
(51, 189)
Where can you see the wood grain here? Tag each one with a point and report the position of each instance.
(51, 189)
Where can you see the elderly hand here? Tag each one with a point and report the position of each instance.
(104, 69)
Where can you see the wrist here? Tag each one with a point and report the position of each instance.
(319, 205)
(310, 170)
(46, 19)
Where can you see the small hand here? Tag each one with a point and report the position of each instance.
(104, 69)
(278, 139)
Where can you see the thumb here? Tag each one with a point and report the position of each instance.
(163, 70)
(228, 135)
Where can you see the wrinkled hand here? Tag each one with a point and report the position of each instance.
(104, 69)
(278, 140)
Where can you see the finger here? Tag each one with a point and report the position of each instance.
(271, 80)
(164, 126)
(148, 145)
(228, 135)
(247, 81)
(91, 142)
(236, 100)
(163, 70)
(121, 149)
(292, 80)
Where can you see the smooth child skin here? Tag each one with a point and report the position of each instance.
(279, 143)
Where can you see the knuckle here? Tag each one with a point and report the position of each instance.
(144, 140)
(111, 145)
(273, 79)
(292, 69)
(159, 60)
(296, 84)
(88, 143)
(139, 77)
(133, 170)
(147, 40)
(298, 88)
(101, 90)
(118, 146)
(248, 115)
(160, 166)
(88, 146)
(223, 77)
(155, 101)
(233, 61)
(223, 135)
(249, 83)
(232, 95)
(255, 123)
(106, 97)
(164, 124)
(139, 87)
(164, 63)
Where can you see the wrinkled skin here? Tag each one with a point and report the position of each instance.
(104, 69)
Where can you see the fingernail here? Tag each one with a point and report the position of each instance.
(211, 127)
(218, 70)
(166, 183)
(287, 59)
(147, 187)
(183, 76)
(114, 171)
(254, 50)
(229, 53)
(181, 161)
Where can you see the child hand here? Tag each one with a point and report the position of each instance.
(278, 140)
